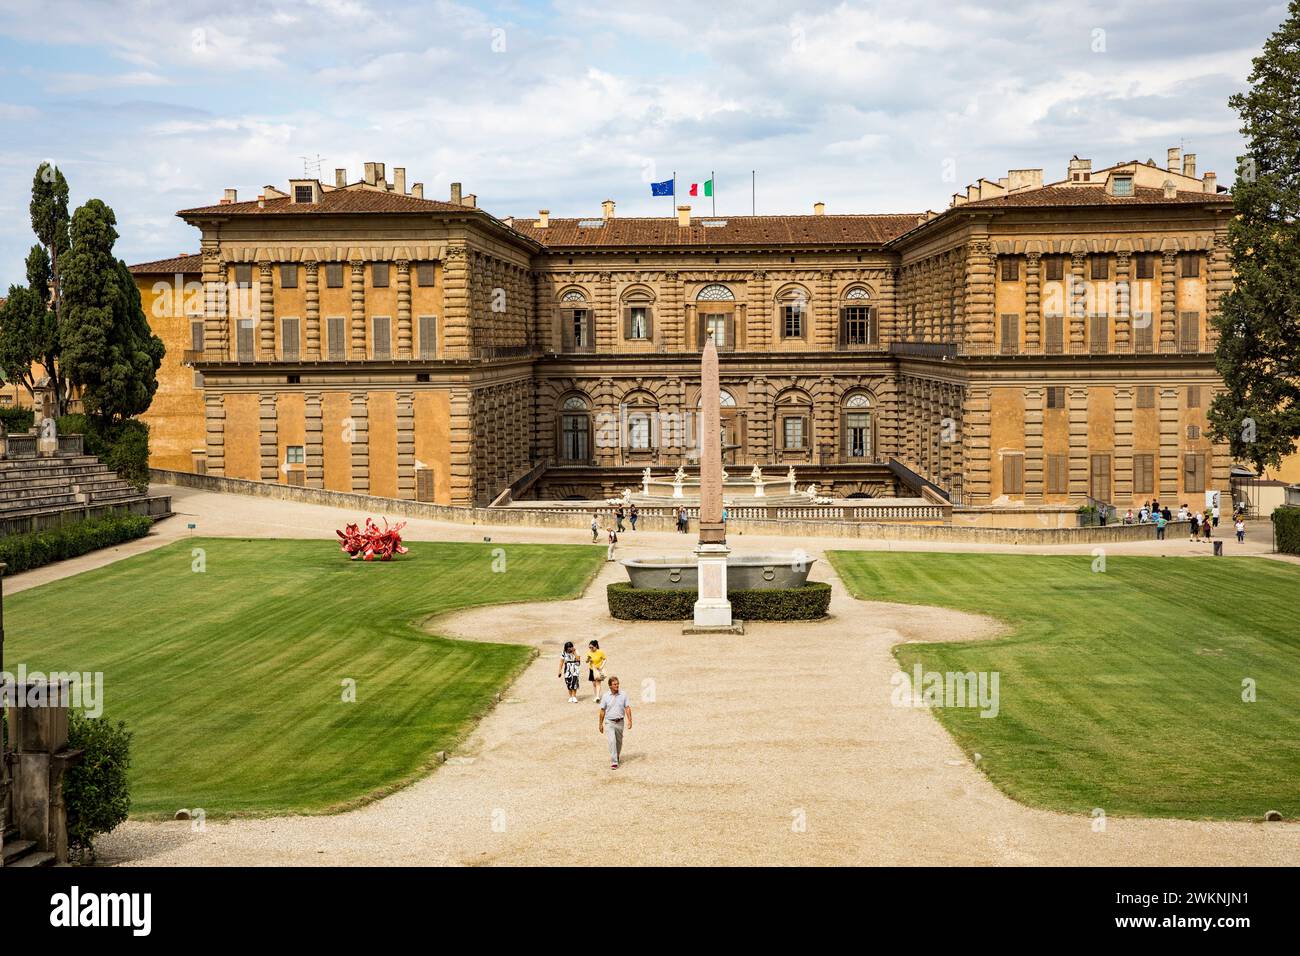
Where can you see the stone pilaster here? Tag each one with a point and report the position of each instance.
(314, 450)
(977, 445)
(759, 314)
(268, 447)
(312, 295)
(214, 424)
(1124, 305)
(1033, 311)
(1168, 300)
(608, 317)
(1220, 281)
(360, 446)
(462, 446)
(887, 307)
(1078, 412)
(404, 336)
(358, 336)
(1078, 310)
(216, 306)
(825, 318)
(979, 302)
(1123, 444)
(670, 323)
(266, 311)
(1170, 463)
(406, 445)
(1033, 445)
(456, 304)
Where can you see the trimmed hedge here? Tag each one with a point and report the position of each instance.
(97, 790)
(32, 549)
(17, 421)
(123, 447)
(807, 603)
(1286, 529)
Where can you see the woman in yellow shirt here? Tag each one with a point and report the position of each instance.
(595, 667)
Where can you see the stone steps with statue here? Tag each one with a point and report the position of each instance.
(36, 485)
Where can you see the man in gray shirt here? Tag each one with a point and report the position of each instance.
(616, 712)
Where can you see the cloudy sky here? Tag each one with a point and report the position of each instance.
(869, 107)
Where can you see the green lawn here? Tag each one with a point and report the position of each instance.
(231, 679)
(1120, 690)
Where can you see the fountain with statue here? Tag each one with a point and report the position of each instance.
(712, 571)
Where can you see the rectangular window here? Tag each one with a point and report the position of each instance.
(379, 275)
(1099, 478)
(1144, 474)
(380, 336)
(196, 335)
(1146, 267)
(295, 455)
(289, 340)
(1056, 396)
(576, 329)
(792, 430)
(716, 326)
(1191, 265)
(428, 336)
(636, 323)
(1013, 474)
(1189, 331)
(1193, 396)
(1100, 267)
(244, 276)
(858, 327)
(244, 340)
(1143, 332)
(1055, 268)
(1099, 334)
(334, 275)
(1146, 396)
(1193, 473)
(302, 193)
(638, 431)
(424, 484)
(1193, 432)
(1122, 185)
(1054, 334)
(336, 332)
(1010, 344)
(792, 321)
(288, 275)
(1058, 475)
(424, 274)
(1010, 269)
(857, 434)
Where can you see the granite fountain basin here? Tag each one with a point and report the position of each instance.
(745, 572)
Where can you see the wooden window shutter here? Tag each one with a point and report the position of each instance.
(289, 340)
(1143, 335)
(428, 336)
(627, 322)
(1189, 331)
(731, 330)
(1013, 474)
(381, 339)
(424, 484)
(649, 322)
(335, 330)
(1055, 333)
(1099, 326)
(1010, 333)
(1058, 474)
(703, 330)
(844, 327)
(566, 330)
(196, 335)
(424, 274)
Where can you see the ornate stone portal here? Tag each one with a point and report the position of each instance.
(712, 609)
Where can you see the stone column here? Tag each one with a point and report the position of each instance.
(266, 311)
(405, 445)
(1124, 444)
(1033, 446)
(1078, 299)
(979, 296)
(312, 270)
(759, 314)
(360, 447)
(886, 317)
(358, 337)
(214, 423)
(404, 337)
(608, 317)
(976, 445)
(825, 316)
(1078, 412)
(268, 446)
(670, 324)
(314, 450)
(462, 447)
(216, 306)
(455, 303)
(1169, 459)
(1124, 312)
(1220, 281)
(1033, 313)
(1168, 301)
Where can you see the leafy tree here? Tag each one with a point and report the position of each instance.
(107, 348)
(1259, 321)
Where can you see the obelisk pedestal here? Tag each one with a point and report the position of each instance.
(712, 609)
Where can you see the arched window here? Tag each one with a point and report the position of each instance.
(857, 426)
(575, 322)
(793, 312)
(858, 323)
(715, 293)
(640, 410)
(638, 318)
(725, 399)
(575, 430)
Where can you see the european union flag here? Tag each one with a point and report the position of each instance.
(664, 188)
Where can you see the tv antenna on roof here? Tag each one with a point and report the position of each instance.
(311, 167)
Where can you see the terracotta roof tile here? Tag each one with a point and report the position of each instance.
(183, 264)
(730, 231)
(335, 201)
(1094, 196)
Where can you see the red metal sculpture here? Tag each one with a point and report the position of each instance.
(372, 542)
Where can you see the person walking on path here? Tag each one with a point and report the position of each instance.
(613, 540)
(595, 530)
(595, 668)
(615, 717)
(618, 518)
(1195, 526)
(1241, 530)
(632, 516)
(1214, 514)
(570, 670)
(1161, 521)
(1205, 524)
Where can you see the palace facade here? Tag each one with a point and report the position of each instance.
(1036, 343)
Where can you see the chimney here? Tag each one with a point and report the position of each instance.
(684, 217)
(509, 221)
(819, 209)
(370, 174)
(1173, 165)
(543, 218)
(399, 179)
(261, 201)
(1189, 165)
(607, 209)
(1211, 183)
(1080, 170)
(340, 178)
(455, 194)
(232, 195)
(1171, 191)
(470, 200)
(1018, 179)
(418, 190)
(380, 178)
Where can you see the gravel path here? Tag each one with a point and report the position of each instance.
(777, 747)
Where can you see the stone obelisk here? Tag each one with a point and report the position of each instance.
(712, 609)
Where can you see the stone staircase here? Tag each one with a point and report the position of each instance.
(24, 852)
(31, 486)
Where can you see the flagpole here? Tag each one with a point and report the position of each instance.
(753, 192)
(672, 205)
(713, 183)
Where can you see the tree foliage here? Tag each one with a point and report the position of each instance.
(1259, 321)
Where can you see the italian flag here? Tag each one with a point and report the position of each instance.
(708, 188)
